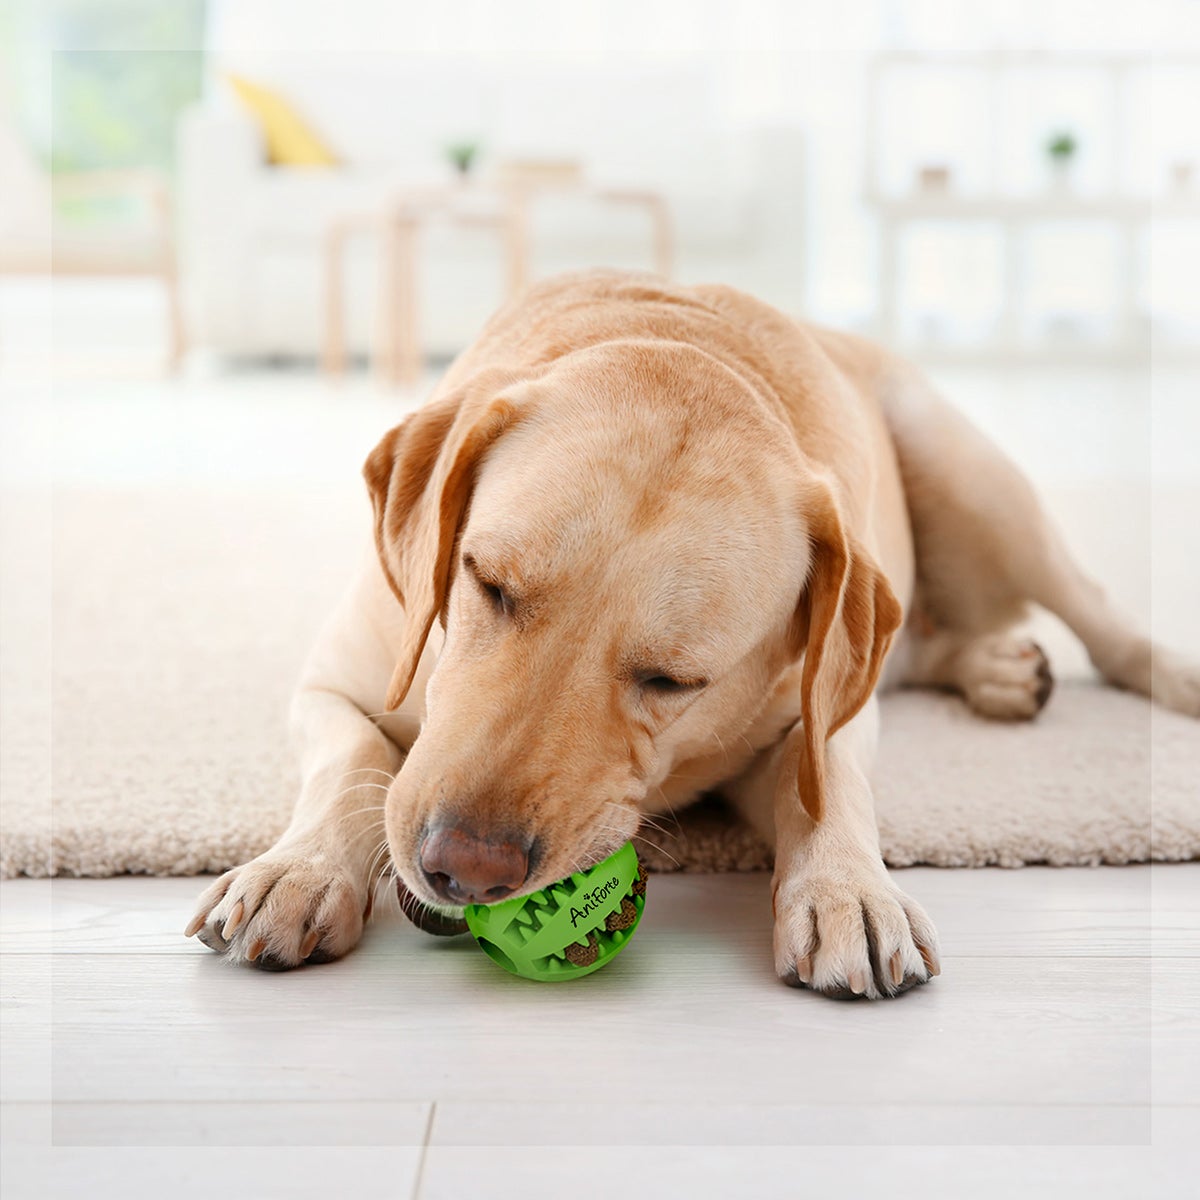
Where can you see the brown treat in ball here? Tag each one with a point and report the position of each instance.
(623, 919)
(583, 956)
(639, 886)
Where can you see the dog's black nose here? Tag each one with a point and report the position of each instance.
(466, 867)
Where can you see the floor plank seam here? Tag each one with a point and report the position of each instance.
(754, 1106)
(419, 1176)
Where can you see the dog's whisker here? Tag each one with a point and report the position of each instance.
(408, 902)
(358, 812)
(375, 891)
(638, 837)
(611, 828)
(652, 821)
(359, 817)
(575, 867)
(645, 818)
(670, 807)
(377, 770)
(372, 828)
(656, 846)
(372, 876)
(373, 887)
(623, 808)
(661, 831)
(355, 786)
(391, 895)
(380, 849)
(381, 787)
(377, 858)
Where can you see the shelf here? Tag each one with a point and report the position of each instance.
(1125, 212)
(1017, 59)
(1047, 206)
(995, 353)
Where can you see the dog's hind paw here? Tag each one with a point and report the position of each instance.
(1005, 678)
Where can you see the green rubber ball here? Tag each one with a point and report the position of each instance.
(569, 929)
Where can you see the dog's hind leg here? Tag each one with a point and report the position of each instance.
(985, 550)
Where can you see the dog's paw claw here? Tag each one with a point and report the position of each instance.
(235, 919)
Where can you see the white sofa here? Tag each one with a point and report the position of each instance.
(251, 236)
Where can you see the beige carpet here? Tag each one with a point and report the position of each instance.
(179, 619)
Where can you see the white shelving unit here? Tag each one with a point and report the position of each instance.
(1013, 215)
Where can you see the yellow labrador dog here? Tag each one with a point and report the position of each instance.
(646, 541)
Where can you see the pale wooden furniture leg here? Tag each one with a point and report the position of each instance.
(516, 239)
(177, 335)
(664, 236)
(408, 361)
(660, 219)
(399, 355)
(383, 352)
(160, 202)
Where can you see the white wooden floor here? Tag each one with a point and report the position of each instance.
(1058, 1054)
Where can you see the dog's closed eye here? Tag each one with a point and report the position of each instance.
(496, 595)
(668, 685)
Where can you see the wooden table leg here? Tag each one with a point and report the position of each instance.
(333, 356)
(660, 221)
(664, 240)
(177, 345)
(516, 240)
(399, 354)
(169, 274)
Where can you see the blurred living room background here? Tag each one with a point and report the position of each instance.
(970, 181)
(238, 237)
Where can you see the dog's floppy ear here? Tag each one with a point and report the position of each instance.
(844, 624)
(420, 478)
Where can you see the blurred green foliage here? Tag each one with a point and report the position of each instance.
(100, 83)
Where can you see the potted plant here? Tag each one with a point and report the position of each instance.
(1061, 148)
(462, 155)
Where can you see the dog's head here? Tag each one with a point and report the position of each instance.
(627, 551)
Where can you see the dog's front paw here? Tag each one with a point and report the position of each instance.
(852, 936)
(282, 910)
